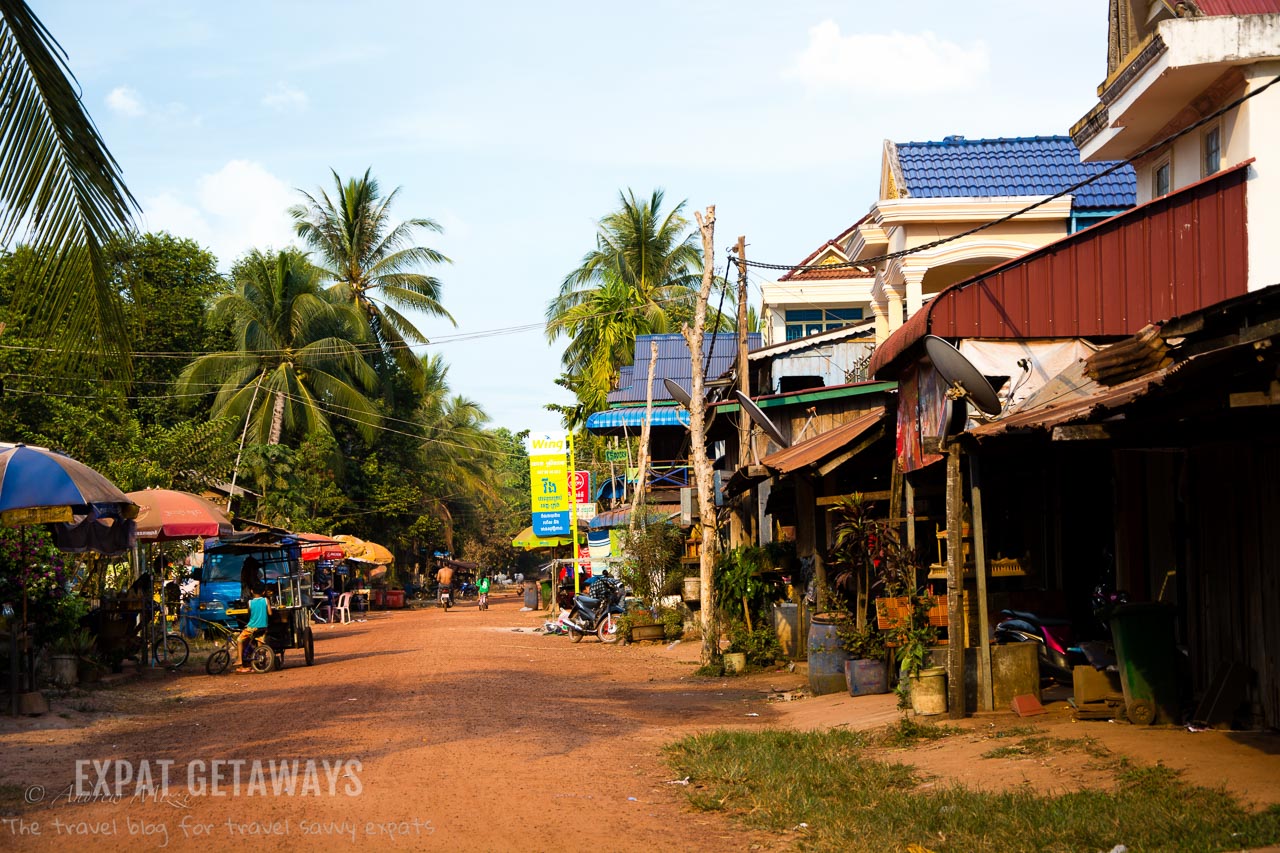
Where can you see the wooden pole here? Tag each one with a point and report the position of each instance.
(644, 437)
(985, 685)
(703, 475)
(737, 524)
(955, 586)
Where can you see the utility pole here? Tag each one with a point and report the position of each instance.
(739, 529)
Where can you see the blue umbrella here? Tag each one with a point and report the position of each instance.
(39, 485)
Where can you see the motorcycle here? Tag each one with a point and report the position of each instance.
(599, 616)
(446, 598)
(1053, 638)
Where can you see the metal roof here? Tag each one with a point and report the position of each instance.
(1173, 255)
(816, 340)
(619, 517)
(1238, 7)
(1022, 166)
(632, 417)
(674, 363)
(819, 447)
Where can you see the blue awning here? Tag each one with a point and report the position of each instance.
(633, 418)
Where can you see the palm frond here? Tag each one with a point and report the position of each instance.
(59, 185)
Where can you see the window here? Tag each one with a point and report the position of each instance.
(1211, 146)
(1161, 179)
(802, 323)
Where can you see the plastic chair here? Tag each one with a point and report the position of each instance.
(342, 610)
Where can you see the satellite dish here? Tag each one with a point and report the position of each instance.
(960, 374)
(761, 419)
(677, 393)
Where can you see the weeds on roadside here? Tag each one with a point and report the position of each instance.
(778, 780)
(908, 732)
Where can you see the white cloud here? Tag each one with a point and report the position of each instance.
(126, 102)
(884, 65)
(285, 98)
(240, 207)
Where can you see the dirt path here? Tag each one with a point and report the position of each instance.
(441, 730)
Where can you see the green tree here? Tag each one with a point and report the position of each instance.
(61, 188)
(643, 270)
(297, 354)
(375, 265)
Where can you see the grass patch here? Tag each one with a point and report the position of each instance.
(776, 780)
(909, 732)
(1017, 731)
(1040, 746)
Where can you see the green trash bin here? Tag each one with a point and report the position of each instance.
(1147, 656)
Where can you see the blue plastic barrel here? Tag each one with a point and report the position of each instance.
(826, 658)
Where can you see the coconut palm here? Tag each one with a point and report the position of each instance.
(60, 189)
(374, 264)
(644, 269)
(457, 451)
(297, 353)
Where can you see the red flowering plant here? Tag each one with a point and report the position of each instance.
(867, 556)
(30, 565)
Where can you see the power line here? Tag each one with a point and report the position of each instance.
(1119, 164)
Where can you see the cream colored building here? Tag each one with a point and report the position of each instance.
(932, 191)
(1171, 67)
(823, 293)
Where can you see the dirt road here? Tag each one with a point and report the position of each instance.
(424, 730)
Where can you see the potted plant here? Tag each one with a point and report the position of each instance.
(64, 662)
(866, 671)
(925, 687)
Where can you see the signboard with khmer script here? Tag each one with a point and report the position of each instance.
(549, 490)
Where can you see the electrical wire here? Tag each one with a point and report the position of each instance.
(1119, 164)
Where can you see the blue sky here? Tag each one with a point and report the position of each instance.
(515, 124)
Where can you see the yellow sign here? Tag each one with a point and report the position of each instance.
(549, 489)
(38, 515)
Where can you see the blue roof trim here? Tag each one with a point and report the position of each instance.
(634, 417)
(1022, 166)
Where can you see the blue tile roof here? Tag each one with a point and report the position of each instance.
(1024, 166)
(674, 363)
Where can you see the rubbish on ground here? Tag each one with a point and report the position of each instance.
(753, 714)
(684, 781)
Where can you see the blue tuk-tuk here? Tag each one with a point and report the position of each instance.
(220, 577)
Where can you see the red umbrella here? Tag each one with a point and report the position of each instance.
(318, 547)
(169, 514)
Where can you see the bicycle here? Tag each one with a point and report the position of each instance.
(262, 658)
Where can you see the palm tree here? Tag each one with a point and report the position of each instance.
(296, 350)
(60, 187)
(457, 451)
(645, 267)
(375, 265)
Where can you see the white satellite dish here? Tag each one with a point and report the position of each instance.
(761, 419)
(677, 392)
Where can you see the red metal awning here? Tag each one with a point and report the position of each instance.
(1173, 255)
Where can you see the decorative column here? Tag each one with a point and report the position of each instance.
(894, 292)
(880, 310)
(914, 285)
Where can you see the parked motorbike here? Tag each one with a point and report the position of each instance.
(599, 616)
(1054, 641)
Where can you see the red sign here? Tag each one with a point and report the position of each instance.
(582, 487)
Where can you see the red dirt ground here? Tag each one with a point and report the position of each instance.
(491, 738)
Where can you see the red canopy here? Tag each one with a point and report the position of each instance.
(318, 547)
(168, 514)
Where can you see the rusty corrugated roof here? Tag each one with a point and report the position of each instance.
(1238, 7)
(820, 447)
(1106, 281)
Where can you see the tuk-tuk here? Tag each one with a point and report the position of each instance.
(220, 576)
(289, 626)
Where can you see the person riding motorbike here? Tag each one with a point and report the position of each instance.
(483, 588)
(444, 582)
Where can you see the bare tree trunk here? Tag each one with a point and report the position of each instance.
(698, 434)
(644, 437)
(277, 418)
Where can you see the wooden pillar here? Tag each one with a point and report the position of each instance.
(806, 534)
(955, 586)
(985, 687)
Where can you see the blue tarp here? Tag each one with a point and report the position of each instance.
(633, 417)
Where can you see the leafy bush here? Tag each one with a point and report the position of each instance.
(653, 556)
(865, 643)
(761, 645)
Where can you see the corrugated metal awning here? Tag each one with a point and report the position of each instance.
(817, 449)
(620, 517)
(633, 417)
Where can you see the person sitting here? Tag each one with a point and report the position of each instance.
(259, 611)
(250, 576)
(444, 581)
(602, 585)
